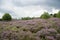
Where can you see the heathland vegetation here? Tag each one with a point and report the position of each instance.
(45, 27)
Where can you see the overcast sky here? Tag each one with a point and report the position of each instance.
(31, 8)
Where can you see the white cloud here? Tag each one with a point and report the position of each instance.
(29, 11)
(1, 15)
(33, 9)
(54, 10)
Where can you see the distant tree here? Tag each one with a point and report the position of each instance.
(45, 15)
(51, 15)
(7, 17)
(58, 14)
(55, 15)
(26, 18)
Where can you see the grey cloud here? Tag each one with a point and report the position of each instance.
(49, 3)
(53, 3)
(26, 2)
(7, 11)
(0, 2)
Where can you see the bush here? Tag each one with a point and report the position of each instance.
(7, 17)
(51, 15)
(45, 15)
(0, 19)
(26, 18)
(55, 15)
(58, 14)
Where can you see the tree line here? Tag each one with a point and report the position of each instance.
(45, 15)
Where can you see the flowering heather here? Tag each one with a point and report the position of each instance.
(50, 38)
(35, 29)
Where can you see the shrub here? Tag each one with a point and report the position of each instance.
(58, 14)
(45, 15)
(55, 15)
(51, 15)
(6, 17)
(26, 18)
(0, 19)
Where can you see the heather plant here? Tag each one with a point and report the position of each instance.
(36, 29)
(58, 36)
(7, 17)
(14, 29)
(9, 35)
(25, 28)
(26, 37)
(35, 38)
(11, 28)
(45, 15)
(58, 29)
(50, 38)
(47, 32)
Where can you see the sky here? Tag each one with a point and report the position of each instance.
(28, 8)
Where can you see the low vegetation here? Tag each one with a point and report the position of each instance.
(40, 29)
(45, 28)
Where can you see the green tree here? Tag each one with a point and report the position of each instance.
(45, 15)
(58, 14)
(7, 17)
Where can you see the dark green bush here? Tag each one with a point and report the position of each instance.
(51, 15)
(45, 15)
(7, 17)
(55, 15)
